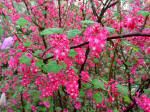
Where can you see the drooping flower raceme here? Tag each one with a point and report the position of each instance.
(8, 42)
(61, 46)
(96, 38)
(143, 102)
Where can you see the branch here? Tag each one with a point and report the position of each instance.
(104, 10)
(46, 51)
(128, 35)
(22, 102)
(114, 3)
(82, 66)
(80, 45)
(108, 39)
(82, 69)
(142, 28)
(43, 38)
(28, 11)
(144, 85)
(93, 8)
(59, 11)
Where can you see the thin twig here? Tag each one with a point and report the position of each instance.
(82, 66)
(142, 28)
(108, 39)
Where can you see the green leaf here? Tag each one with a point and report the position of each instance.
(73, 33)
(27, 44)
(38, 52)
(49, 55)
(25, 59)
(126, 99)
(147, 92)
(45, 12)
(89, 22)
(116, 14)
(36, 99)
(80, 100)
(42, 109)
(130, 45)
(28, 106)
(15, 94)
(87, 86)
(134, 61)
(82, 93)
(2, 6)
(144, 13)
(51, 106)
(58, 108)
(22, 22)
(16, 44)
(121, 89)
(98, 97)
(95, 60)
(57, 30)
(39, 63)
(115, 63)
(127, 63)
(98, 84)
(75, 70)
(52, 67)
(116, 110)
(110, 29)
(50, 31)
(72, 53)
(1, 30)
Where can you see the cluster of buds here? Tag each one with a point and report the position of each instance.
(3, 100)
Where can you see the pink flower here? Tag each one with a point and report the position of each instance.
(15, 17)
(33, 107)
(8, 42)
(85, 76)
(46, 103)
(143, 102)
(77, 104)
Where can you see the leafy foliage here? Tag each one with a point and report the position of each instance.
(50, 31)
(73, 33)
(98, 97)
(52, 67)
(98, 84)
(22, 22)
(72, 53)
(144, 13)
(24, 59)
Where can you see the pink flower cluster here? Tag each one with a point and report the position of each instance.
(77, 104)
(144, 102)
(50, 85)
(113, 85)
(85, 76)
(13, 62)
(96, 38)
(130, 22)
(72, 84)
(80, 57)
(61, 46)
(40, 2)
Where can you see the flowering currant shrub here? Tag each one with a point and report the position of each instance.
(75, 55)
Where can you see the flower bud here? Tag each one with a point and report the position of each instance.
(3, 100)
(8, 42)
